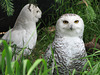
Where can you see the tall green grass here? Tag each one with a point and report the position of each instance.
(25, 67)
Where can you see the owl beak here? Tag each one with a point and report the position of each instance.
(71, 27)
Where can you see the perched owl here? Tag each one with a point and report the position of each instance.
(24, 29)
(68, 46)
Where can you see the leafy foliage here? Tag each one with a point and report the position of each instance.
(90, 11)
(7, 5)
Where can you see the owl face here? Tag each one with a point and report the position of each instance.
(31, 12)
(70, 24)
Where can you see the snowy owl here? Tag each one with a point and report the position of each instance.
(68, 46)
(23, 29)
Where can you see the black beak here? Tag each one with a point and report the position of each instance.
(71, 28)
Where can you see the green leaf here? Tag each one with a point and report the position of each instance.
(8, 52)
(13, 66)
(34, 66)
(2, 61)
(73, 73)
(90, 14)
(90, 65)
(26, 65)
(17, 68)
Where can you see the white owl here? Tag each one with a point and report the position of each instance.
(23, 29)
(68, 45)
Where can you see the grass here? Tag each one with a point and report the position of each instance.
(34, 64)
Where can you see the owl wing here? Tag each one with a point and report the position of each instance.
(16, 37)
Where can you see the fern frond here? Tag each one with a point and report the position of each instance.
(7, 5)
(90, 14)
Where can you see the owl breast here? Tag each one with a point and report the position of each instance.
(68, 52)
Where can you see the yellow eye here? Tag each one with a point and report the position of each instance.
(65, 22)
(76, 21)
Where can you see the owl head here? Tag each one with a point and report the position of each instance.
(30, 12)
(70, 25)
